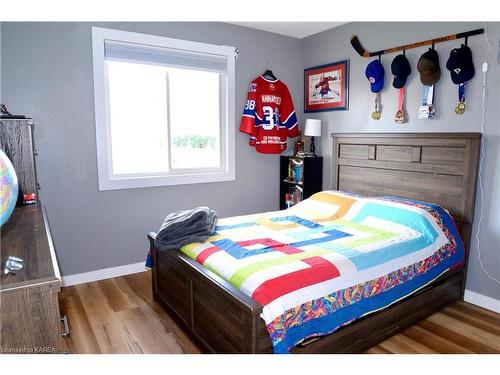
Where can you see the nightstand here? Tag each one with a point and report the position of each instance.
(308, 179)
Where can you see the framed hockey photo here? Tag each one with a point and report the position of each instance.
(326, 87)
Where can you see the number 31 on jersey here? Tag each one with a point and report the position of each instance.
(268, 117)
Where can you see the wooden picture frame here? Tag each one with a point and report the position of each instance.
(326, 87)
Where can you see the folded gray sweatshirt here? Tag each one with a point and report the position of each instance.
(184, 227)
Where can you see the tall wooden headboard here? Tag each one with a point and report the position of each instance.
(435, 167)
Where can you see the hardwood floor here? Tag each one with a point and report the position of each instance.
(119, 316)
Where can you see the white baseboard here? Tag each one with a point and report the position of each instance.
(482, 300)
(105, 273)
(108, 273)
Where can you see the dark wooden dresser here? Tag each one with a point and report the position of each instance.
(29, 307)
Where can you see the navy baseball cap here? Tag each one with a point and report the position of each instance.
(401, 69)
(460, 65)
(375, 74)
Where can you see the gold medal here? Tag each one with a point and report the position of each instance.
(460, 108)
(376, 115)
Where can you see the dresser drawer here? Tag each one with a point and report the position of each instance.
(31, 320)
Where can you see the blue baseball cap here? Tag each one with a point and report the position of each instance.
(375, 74)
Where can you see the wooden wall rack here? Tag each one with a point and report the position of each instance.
(362, 52)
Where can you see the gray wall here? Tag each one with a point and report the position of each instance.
(333, 45)
(0, 63)
(47, 74)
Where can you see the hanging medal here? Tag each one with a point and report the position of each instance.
(399, 118)
(460, 108)
(376, 113)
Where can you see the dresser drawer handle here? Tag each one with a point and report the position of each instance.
(64, 319)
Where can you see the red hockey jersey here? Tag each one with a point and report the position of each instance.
(269, 117)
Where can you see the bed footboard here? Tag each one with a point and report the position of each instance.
(219, 316)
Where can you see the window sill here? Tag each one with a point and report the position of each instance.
(170, 180)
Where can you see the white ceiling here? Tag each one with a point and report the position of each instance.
(293, 29)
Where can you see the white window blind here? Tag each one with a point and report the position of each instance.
(147, 54)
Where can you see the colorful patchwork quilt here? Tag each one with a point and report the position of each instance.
(330, 259)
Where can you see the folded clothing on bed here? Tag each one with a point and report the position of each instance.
(184, 227)
(331, 259)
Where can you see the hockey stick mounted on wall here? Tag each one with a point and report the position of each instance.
(362, 52)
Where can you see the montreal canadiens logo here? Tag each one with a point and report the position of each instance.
(371, 79)
(271, 87)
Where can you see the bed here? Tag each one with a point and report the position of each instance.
(431, 167)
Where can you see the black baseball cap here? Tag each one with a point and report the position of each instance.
(428, 67)
(460, 65)
(401, 69)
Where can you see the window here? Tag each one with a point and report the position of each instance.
(164, 110)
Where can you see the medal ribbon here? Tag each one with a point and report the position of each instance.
(430, 95)
(461, 92)
(425, 93)
(376, 113)
(401, 98)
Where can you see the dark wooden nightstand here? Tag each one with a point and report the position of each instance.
(311, 179)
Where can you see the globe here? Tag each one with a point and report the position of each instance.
(9, 188)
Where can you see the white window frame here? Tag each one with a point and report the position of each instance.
(108, 181)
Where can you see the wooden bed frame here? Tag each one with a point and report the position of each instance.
(434, 167)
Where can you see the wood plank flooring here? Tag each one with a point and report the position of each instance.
(119, 316)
